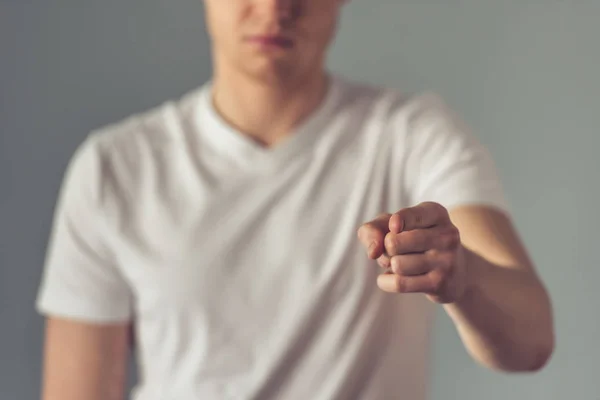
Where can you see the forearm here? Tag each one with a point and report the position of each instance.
(504, 317)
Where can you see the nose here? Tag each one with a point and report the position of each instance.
(281, 11)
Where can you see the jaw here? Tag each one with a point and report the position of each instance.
(274, 70)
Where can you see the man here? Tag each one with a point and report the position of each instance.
(231, 227)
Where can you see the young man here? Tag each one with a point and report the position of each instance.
(231, 227)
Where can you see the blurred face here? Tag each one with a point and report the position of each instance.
(271, 39)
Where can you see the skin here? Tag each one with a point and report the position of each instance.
(84, 361)
(468, 260)
(471, 261)
(265, 92)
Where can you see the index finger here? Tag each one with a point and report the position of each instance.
(372, 235)
(421, 216)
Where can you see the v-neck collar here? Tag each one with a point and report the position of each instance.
(245, 151)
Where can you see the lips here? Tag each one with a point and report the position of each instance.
(272, 41)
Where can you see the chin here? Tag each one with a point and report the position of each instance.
(273, 72)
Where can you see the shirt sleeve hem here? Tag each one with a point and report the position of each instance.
(462, 201)
(80, 312)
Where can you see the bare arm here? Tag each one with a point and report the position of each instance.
(84, 361)
(505, 318)
(483, 277)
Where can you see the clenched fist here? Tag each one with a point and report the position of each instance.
(421, 252)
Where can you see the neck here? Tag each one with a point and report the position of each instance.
(267, 111)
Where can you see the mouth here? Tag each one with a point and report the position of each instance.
(271, 41)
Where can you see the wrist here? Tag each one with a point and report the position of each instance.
(472, 275)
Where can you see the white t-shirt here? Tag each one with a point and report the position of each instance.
(239, 265)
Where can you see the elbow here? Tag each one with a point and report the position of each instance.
(541, 356)
(536, 359)
(539, 346)
(530, 359)
(542, 347)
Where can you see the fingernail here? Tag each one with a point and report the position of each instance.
(372, 247)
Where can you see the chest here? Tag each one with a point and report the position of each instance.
(253, 239)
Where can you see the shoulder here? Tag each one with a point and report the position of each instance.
(152, 128)
(409, 113)
(114, 157)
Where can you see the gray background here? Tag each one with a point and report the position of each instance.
(524, 74)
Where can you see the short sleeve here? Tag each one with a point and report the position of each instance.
(81, 279)
(446, 163)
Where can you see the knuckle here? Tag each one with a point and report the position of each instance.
(435, 207)
(433, 241)
(367, 229)
(369, 226)
(403, 212)
(455, 234)
(446, 242)
(384, 262)
(440, 209)
(445, 261)
(396, 265)
(399, 284)
(450, 239)
(391, 244)
(437, 280)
